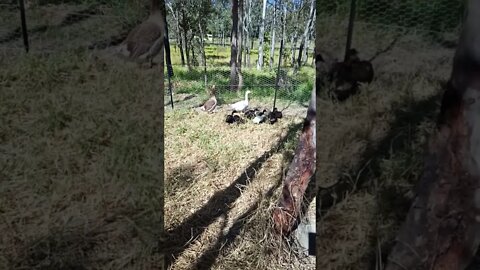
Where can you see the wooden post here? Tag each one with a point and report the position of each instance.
(24, 24)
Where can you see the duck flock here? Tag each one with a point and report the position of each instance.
(256, 115)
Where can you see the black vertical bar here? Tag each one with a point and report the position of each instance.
(24, 24)
(282, 20)
(169, 60)
(350, 28)
(278, 73)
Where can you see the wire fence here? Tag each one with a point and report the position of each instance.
(54, 26)
(80, 27)
(70, 45)
(293, 90)
(286, 85)
(385, 30)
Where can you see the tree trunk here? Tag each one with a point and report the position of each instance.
(187, 49)
(284, 26)
(308, 25)
(176, 18)
(272, 47)
(239, 43)
(294, 45)
(185, 38)
(223, 37)
(194, 59)
(261, 37)
(245, 32)
(239, 35)
(234, 47)
(249, 30)
(442, 228)
(204, 57)
(299, 174)
(307, 43)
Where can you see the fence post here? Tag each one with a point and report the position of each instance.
(277, 79)
(168, 60)
(24, 24)
(350, 28)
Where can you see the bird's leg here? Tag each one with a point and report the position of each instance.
(151, 62)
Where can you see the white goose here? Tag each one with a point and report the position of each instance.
(241, 105)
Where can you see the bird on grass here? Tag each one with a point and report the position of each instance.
(210, 104)
(250, 113)
(241, 105)
(234, 118)
(260, 117)
(146, 40)
(274, 116)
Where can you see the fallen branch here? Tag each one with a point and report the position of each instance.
(299, 174)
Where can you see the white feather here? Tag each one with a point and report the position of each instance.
(241, 105)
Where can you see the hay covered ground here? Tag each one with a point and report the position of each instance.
(80, 164)
(374, 142)
(222, 181)
(79, 151)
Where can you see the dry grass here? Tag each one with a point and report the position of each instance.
(79, 149)
(68, 26)
(222, 182)
(375, 141)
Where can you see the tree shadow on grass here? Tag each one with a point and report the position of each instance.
(207, 259)
(76, 246)
(178, 238)
(70, 19)
(179, 178)
(407, 117)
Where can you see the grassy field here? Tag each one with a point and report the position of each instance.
(80, 164)
(68, 26)
(221, 184)
(375, 142)
(223, 181)
(79, 152)
(190, 82)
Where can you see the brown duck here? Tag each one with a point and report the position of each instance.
(146, 40)
(211, 103)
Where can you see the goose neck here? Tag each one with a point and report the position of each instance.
(246, 96)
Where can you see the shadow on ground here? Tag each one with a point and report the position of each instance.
(178, 238)
(390, 200)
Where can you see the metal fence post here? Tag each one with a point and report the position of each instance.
(24, 24)
(350, 28)
(168, 60)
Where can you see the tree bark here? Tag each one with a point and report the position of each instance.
(234, 47)
(261, 37)
(240, 42)
(294, 45)
(284, 26)
(308, 25)
(299, 174)
(240, 34)
(185, 38)
(179, 35)
(204, 57)
(272, 46)
(442, 228)
(307, 42)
